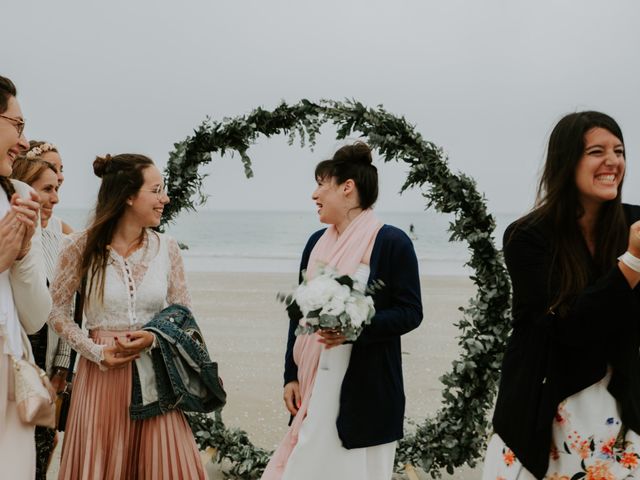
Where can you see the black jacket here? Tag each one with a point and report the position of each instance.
(551, 357)
(372, 395)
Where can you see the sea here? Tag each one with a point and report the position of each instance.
(261, 241)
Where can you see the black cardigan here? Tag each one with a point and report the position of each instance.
(372, 394)
(550, 357)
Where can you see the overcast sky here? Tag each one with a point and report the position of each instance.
(486, 80)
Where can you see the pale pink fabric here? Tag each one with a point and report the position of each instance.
(344, 252)
(101, 442)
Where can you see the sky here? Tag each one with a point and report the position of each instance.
(485, 80)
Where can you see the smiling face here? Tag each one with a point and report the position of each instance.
(600, 169)
(47, 187)
(147, 205)
(330, 200)
(11, 143)
(55, 159)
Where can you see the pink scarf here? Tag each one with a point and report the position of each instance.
(345, 253)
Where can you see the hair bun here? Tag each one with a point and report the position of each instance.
(101, 164)
(361, 152)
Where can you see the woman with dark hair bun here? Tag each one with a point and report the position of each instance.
(568, 404)
(24, 299)
(346, 419)
(131, 273)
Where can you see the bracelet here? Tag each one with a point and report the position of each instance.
(630, 261)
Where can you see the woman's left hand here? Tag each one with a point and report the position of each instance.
(135, 342)
(331, 338)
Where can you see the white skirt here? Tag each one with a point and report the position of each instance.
(319, 454)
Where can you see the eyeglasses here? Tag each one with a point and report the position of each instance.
(160, 190)
(18, 123)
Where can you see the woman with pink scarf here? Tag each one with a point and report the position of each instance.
(348, 414)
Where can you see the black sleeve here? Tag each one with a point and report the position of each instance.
(599, 312)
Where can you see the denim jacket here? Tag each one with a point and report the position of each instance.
(178, 373)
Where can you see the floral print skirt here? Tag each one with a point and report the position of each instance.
(589, 443)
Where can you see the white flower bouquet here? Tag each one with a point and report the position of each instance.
(330, 301)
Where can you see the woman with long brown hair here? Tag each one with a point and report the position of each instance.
(24, 300)
(568, 405)
(131, 273)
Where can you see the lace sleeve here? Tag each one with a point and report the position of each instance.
(177, 292)
(65, 283)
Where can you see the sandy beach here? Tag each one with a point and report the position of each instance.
(245, 328)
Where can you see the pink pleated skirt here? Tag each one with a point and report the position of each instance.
(101, 442)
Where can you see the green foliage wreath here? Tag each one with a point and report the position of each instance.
(456, 435)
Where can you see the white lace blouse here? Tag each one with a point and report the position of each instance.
(135, 289)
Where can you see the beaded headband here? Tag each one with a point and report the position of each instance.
(40, 149)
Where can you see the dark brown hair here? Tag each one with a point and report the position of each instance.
(7, 90)
(353, 162)
(122, 178)
(28, 170)
(559, 206)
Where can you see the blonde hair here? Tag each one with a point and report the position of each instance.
(28, 170)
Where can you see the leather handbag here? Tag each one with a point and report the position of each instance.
(64, 398)
(34, 394)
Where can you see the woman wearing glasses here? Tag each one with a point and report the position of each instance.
(131, 272)
(24, 300)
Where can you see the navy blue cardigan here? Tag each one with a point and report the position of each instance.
(372, 395)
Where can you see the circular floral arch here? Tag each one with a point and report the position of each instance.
(456, 434)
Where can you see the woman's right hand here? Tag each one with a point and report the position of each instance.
(113, 357)
(12, 233)
(292, 398)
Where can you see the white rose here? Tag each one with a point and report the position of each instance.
(315, 294)
(335, 305)
(359, 310)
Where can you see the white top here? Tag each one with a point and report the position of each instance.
(135, 289)
(52, 237)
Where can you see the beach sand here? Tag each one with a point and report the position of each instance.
(245, 328)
